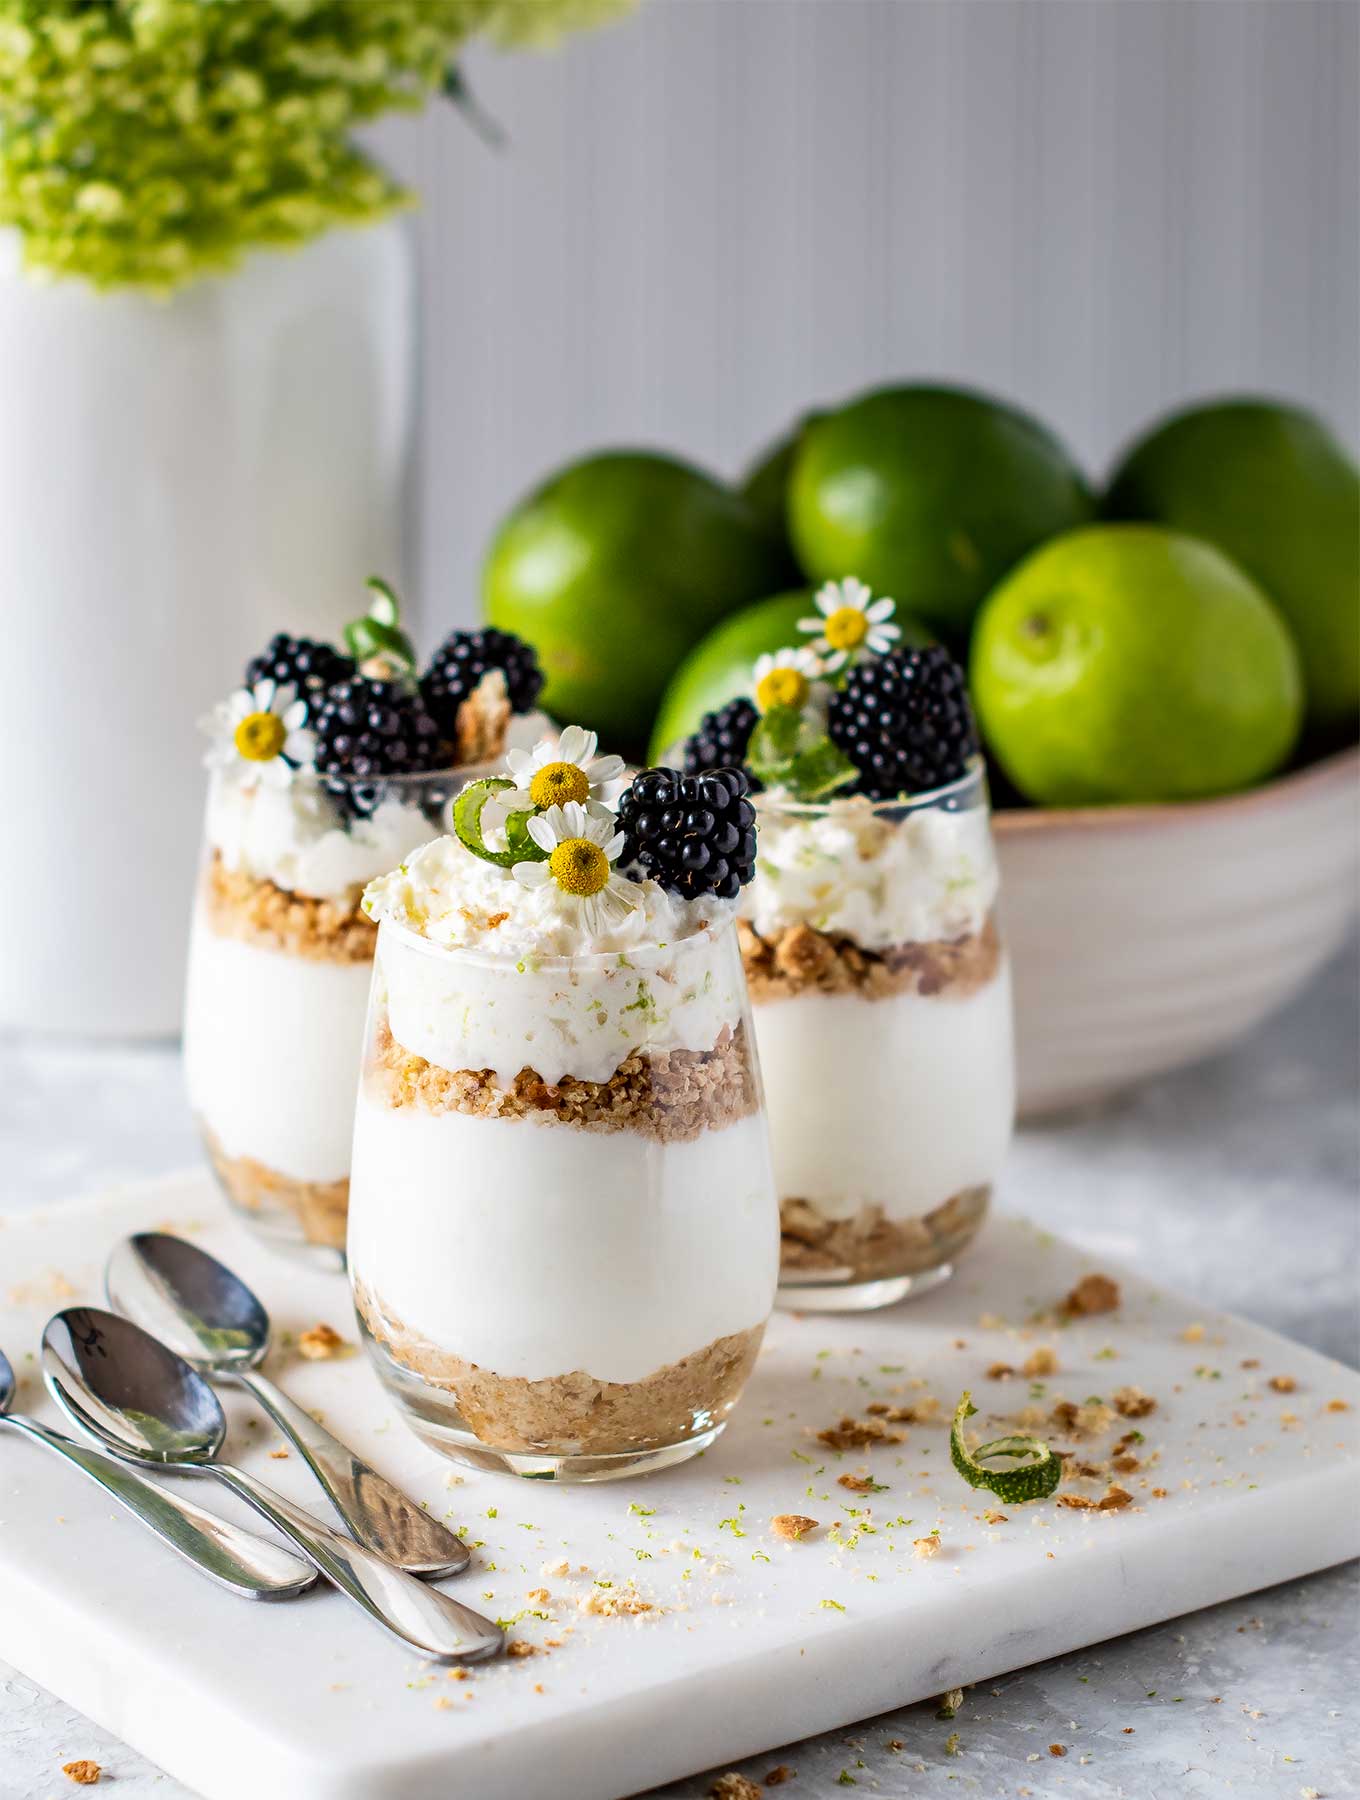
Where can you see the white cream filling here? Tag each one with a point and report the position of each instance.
(536, 1250)
(559, 1017)
(899, 1103)
(851, 871)
(272, 1047)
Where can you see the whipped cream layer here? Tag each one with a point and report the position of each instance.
(295, 836)
(852, 871)
(272, 1047)
(536, 1250)
(900, 1103)
(478, 972)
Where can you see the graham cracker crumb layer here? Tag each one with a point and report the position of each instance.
(669, 1095)
(870, 1246)
(801, 960)
(321, 1208)
(242, 906)
(575, 1414)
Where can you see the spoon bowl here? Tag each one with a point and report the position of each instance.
(191, 1302)
(130, 1391)
(7, 1384)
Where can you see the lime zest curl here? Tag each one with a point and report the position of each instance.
(1038, 1472)
(467, 826)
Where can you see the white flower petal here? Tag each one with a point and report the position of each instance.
(300, 746)
(532, 874)
(614, 847)
(521, 765)
(880, 610)
(811, 624)
(541, 831)
(295, 716)
(605, 768)
(836, 660)
(576, 745)
(573, 819)
(239, 704)
(263, 694)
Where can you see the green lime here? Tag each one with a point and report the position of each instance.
(718, 668)
(1128, 662)
(612, 569)
(1273, 488)
(766, 485)
(929, 494)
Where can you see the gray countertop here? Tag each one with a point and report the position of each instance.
(1235, 1181)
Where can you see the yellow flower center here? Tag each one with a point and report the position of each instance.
(781, 687)
(259, 736)
(847, 628)
(557, 783)
(579, 867)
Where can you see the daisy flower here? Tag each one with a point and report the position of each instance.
(581, 848)
(260, 732)
(786, 678)
(559, 772)
(850, 621)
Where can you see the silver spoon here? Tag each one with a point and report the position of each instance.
(146, 1404)
(238, 1560)
(209, 1316)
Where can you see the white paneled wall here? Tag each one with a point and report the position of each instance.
(721, 211)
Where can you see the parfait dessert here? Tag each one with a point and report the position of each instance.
(872, 950)
(563, 1235)
(326, 768)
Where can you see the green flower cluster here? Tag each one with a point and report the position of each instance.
(152, 141)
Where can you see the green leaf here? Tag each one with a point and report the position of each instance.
(788, 751)
(820, 770)
(1036, 1478)
(467, 826)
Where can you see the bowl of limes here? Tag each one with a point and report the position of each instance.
(1165, 672)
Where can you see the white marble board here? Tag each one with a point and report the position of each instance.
(754, 1641)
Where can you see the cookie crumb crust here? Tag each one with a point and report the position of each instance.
(574, 1414)
(802, 960)
(669, 1095)
(320, 1207)
(870, 1245)
(254, 911)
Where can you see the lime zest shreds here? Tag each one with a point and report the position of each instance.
(379, 632)
(1038, 1472)
(467, 826)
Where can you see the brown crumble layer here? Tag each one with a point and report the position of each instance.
(242, 906)
(320, 1207)
(799, 960)
(575, 1414)
(871, 1246)
(670, 1095)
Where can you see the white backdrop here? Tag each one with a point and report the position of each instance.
(721, 211)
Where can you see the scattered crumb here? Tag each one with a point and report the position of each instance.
(1337, 1406)
(1093, 1419)
(277, 1455)
(1251, 1362)
(792, 1526)
(952, 1744)
(615, 1603)
(1000, 1371)
(859, 1434)
(1043, 1361)
(1159, 1493)
(734, 1787)
(1057, 1749)
(1111, 1501)
(1125, 1464)
(995, 1518)
(540, 1594)
(452, 1480)
(521, 1647)
(1193, 1334)
(857, 1484)
(949, 1704)
(1132, 1403)
(1092, 1294)
(559, 1568)
(459, 1675)
(927, 1546)
(778, 1776)
(321, 1343)
(920, 1412)
(896, 1744)
(1128, 1731)
(84, 1773)
(1283, 1384)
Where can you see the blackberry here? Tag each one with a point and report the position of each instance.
(721, 740)
(310, 666)
(904, 721)
(695, 834)
(370, 728)
(464, 657)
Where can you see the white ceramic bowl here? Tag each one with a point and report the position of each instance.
(1146, 937)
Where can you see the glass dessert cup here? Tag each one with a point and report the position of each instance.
(279, 967)
(563, 1236)
(882, 1007)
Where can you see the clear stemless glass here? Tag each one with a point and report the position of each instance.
(563, 1235)
(882, 1005)
(279, 964)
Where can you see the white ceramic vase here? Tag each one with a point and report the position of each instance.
(179, 479)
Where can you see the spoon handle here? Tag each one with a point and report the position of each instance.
(422, 1618)
(377, 1514)
(236, 1559)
